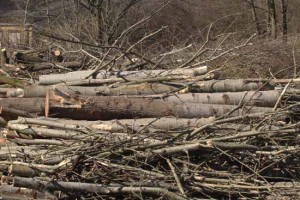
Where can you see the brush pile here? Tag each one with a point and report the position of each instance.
(168, 134)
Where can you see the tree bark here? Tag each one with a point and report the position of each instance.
(229, 85)
(106, 108)
(284, 7)
(272, 19)
(255, 18)
(139, 89)
(121, 125)
(56, 65)
(78, 187)
(3, 58)
(79, 75)
(260, 98)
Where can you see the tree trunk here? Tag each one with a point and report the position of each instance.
(255, 18)
(229, 85)
(3, 58)
(260, 98)
(106, 108)
(56, 65)
(138, 89)
(272, 19)
(284, 8)
(121, 125)
(79, 75)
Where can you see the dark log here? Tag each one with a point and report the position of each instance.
(56, 65)
(3, 58)
(26, 58)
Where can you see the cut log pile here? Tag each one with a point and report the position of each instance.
(168, 134)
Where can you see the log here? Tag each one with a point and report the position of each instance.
(26, 58)
(259, 98)
(10, 192)
(12, 81)
(14, 107)
(79, 75)
(3, 58)
(77, 187)
(164, 123)
(56, 65)
(229, 85)
(139, 89)
(11, 92)
(105, 108)
(90, 82)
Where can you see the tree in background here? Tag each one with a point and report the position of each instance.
(109, 16)
(272, 19)
(284, 7)
(255, 19)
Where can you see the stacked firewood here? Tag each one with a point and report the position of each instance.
(168, 134)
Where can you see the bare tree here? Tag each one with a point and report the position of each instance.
(109, 15)
(254, 16)
(284, 7)
(272, 19)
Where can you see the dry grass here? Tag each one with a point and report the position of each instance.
(261, 59)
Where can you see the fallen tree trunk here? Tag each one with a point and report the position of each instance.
(21, 57)
(140, 89)
(134, 125)
(10, 192)
(229, 85)
(90, 82)
(11, 92)
(262, 98)
(12, 81)
(79, 75)
(46, 65)
(71, 187)
(105, 108)
(3, 58)
(257, 98)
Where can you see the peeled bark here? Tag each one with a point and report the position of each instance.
(79, 75)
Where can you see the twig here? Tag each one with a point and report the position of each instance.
(200, 51)
(281, 95)
(179, 185)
